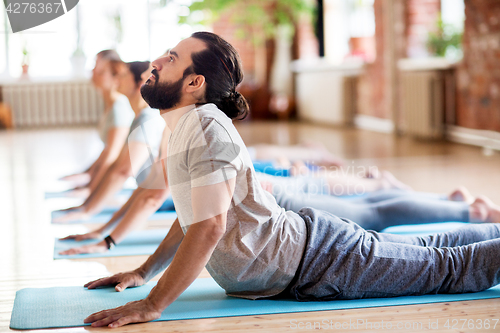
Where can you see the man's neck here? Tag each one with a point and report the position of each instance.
(173, 115)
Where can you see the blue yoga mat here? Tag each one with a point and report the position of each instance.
(65, 194)
(424, 228)
(69, 306)
(142, 242)
(106, 215)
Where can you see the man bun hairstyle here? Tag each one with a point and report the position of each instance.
(220, 64)
(137, 68)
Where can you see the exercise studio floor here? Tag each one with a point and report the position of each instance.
(31, 161)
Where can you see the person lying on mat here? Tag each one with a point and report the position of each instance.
(372, 211)
(252, 247)
(136, 156)
(334, 182)
(328, 183)
(114, 123)
(313, 152)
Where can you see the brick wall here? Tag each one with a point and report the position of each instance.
(479, 73)
(305, 45)
(227, 30)
(372, 97)
(421, 18)
(412, 21)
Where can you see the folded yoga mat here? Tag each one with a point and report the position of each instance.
(69, 306)
(142, 242)
(105, 216)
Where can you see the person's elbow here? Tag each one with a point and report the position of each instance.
(212, 229)
(153, 198)
(124, 170)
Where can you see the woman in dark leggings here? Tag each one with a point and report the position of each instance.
(384, 208)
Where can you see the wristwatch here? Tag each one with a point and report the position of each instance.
(110, 242)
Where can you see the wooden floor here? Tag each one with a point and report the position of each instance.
(30, 161)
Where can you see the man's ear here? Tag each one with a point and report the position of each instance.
(196, 83)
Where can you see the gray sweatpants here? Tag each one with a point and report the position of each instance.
(344, 261)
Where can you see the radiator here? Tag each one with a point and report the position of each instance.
(422, 102)
(49, 104)
(326, 94)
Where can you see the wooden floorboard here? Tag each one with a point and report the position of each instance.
(31, 160)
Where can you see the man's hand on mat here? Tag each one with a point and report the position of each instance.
(121, 281)
(133, 312)
(92, 248)
(89, 235)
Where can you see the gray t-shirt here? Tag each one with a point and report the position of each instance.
(146, 129)
(120, 115)
(263, 244)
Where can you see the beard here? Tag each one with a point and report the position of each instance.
(162, 95)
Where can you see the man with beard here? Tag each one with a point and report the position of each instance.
(252, 247)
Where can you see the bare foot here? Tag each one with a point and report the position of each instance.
(389, 181)
(484, 210)
(461, 194)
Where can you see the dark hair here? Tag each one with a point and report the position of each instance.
(220, 64)
(137, 68)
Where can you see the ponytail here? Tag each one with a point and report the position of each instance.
(220, 64)
(234, 106)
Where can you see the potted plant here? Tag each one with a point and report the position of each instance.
(445, 41)
(26, 60)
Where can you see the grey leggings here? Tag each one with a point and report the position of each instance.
(344, 261)
(382, 209)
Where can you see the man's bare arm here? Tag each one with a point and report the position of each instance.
(156, 263)
(192, 255)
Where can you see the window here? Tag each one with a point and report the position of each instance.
(453, 13)
(137, 29)
(349, 29)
